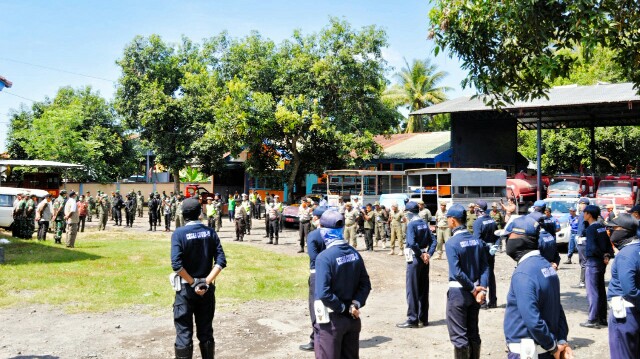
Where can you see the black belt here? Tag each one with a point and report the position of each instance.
(305, 222)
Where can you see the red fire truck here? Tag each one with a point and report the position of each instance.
(623, 189)
(573, 186)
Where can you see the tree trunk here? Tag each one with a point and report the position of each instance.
(176, 180)
(291, 181)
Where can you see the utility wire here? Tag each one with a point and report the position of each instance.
(12, 94)
(54, 69)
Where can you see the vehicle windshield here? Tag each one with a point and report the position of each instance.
(564, 185)
(560, 206)
(614, 188)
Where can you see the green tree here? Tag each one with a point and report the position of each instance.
(158, 96)
(77, 126)
(418, 87)
(514, 50)
(313, 101)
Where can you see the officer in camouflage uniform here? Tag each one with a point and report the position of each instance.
(103, 212)
(19, 216)
(174, 206)
(471, 217)
(397, 218)
(91, 205)
(30, 216)
(179, 217)
(381, 218)
(218, 203)
(139, 203)
(58, 214)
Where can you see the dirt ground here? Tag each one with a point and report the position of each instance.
(275, 330)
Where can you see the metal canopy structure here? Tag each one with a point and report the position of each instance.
(38, 163)
(572, 106)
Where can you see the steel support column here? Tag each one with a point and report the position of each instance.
(539, 158)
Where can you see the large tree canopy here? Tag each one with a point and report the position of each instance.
(77, 126)
(513, 50)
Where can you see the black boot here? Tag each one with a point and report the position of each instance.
(184, 353)
(150, 228)
(475, 350)
(208, 349)
(461, 353)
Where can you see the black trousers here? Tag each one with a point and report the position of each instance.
(368, 238)
(303, 231)
(312, 313)
(274, 228)
(492, 279)
(117, 216)
(153, 220)
(462, 317)
(338, 339)
(167, 221)
(418, 292)
(43, 227)
(211, 222)
(82, 222)
(189, 306)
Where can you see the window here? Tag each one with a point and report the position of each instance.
(6, 200)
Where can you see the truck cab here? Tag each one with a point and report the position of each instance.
(572, 186)
(623, 189)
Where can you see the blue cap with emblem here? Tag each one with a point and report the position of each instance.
(482, 204)
(332, 219)
(524, 225)
(456, 211)
(584, 200)
(319, 211)
(540, 203)
(412, 207)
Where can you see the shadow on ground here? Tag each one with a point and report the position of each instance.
(35, 357)
(22, 251)
(374, 342)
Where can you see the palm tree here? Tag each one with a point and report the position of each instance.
(417, 88)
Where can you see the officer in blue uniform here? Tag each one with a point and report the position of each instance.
(573, 223)
(342, 286)
(315, 245)
(467, 267)
(484, 228)
(419, 247)
(197, 257)
(598, 251)
(534, 320)
(547, 238)
(581, 240)
(624, 289)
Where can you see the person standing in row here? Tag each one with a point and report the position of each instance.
(424, 212)
(58, 215)
(304, 215)
(351, 224)
(471, 217)
(166, 210)
(369, 223)
(598, 252)
(573, 223)
(72, 217)
(442, 228)
(43, 217)
(247, 209)
(342, 285)
(179, 217)
(484, 229)
(273, 222)
(198, 258)
(91, 206)
(534, 320)
(116, 207)
(240, 217)
(30, 216)
(397, 218)
(420, 248)
(153, 205)
(212, 214)
(139, 203)
(315, 245)
(467, 266)
(83, 209)
(217, 202)
(581, 241)
(624, 289)
(103, 212)
(231, 208)
(381, 218)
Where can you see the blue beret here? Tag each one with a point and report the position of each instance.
(412, 207)
(540, 203)
(318, 211)
(524, 225)
(482, 204)
(584, 200)
(456, 211)
(332, 219)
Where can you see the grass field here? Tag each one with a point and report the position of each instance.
(110, 270)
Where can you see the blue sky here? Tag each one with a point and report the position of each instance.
(87, 36)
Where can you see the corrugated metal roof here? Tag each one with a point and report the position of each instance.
(418, 146)
(562, 96)
(38, 163)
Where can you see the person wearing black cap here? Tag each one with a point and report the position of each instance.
(547, 239)
(635, 213)
(581, 241)
(342, 288)
(534, 320)
(153, 205)
(467, 267)
(624, 289)
(198, 258)
(598, 252)
(419, 248)
(484, 228)
(315, 245)
(116, 207)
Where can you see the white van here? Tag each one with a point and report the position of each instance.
(7, 196)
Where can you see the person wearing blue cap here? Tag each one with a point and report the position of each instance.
(573, 223)
(624, 289)
(342, 288)
(581, 241)
(419, 248)
(598, 251)
(315, 245)
(467, 267)
(534, 320)
(484, 228)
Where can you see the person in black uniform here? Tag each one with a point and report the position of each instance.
(117, 204)
(315, 245)
(419, 248)
(152, 205)
(484, 228)
(534, 320)
(598, 251)
(198, 258)
(581, 241)
(467, 267)
(342, 286)
(624, 289)
(130, 209)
